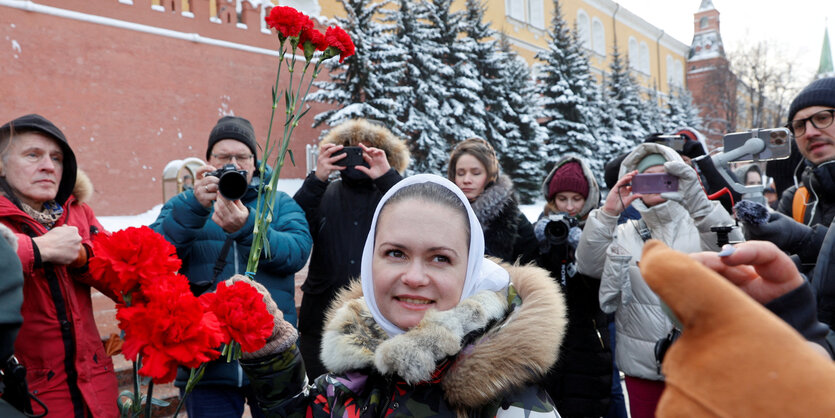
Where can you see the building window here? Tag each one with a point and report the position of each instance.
(675, 72)
(598, 37)
(531, 12)
(536, 14)
(643, 52)
(679, 72)
(633, 53)
(583, 31)
(515, 9)
(703, 23)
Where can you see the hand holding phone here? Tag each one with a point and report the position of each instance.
(649, 183)
(353, 157)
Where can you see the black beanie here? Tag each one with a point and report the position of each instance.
(819, 93)
(233, 127)
(38, 123)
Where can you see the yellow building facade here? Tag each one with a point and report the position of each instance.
(656, 58)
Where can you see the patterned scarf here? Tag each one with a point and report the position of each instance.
(47, 217)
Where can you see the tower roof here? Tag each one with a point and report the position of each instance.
(825, 66)
(706, 5)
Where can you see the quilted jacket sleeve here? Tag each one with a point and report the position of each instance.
(598, 233)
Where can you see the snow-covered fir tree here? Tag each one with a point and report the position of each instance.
(525, 137)
(464, 110)
(624, 106)
(567, 89)
(365, 84)
(422, 107)
(510, 100)
(654, 115)
(681, 111)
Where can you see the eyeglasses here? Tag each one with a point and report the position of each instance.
(227, 158)
(819, 120)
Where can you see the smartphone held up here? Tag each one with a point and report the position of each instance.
(649, 183)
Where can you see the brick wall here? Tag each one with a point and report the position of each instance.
(130, 102)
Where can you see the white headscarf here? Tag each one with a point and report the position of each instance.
(482, 274)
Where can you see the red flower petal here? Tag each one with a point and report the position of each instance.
(339, 39)
(243, 315)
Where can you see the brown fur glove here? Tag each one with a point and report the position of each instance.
(734, 357)
(284, 334)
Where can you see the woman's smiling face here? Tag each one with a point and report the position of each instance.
(420, 260)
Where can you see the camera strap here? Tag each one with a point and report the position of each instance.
(15, 389)
(198, 288)
(643, 229)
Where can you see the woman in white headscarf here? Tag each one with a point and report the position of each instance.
(432, 329)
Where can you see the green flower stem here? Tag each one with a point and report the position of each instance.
(137, 395)
(148, 403)
(194, 376)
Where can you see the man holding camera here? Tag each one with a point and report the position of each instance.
(807, 209)
(42, 196)
(212, 228)
(339, 213)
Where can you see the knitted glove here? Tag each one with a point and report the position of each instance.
(734, 358)
(690, 193)
(284, 334)
(786, 233)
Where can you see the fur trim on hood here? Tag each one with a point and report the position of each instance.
(493, 200)
(593, 199)
(357, 131)
(631, 161)
(83, 189)
(516, 349)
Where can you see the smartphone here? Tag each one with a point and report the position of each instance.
(654, 183)
(777, 144)
(353, 158)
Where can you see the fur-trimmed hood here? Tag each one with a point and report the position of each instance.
(491, 203)
(83, 189)
(357, 131)
(593, 199)
(515, 347)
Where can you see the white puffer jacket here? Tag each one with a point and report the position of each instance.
(639, 319)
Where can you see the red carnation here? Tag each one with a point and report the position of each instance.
(287, 21)
(314, 37)
(337, 38)
(242, 314)
(172, 328)
(132, 257)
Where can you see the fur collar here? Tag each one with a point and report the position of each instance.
(493, 200)
(516, 352)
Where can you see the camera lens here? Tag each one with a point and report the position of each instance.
(232, 185)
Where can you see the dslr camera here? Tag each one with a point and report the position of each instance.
(232, 184)
(558, 227)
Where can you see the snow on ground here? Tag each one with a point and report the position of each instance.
(116, 223)
(289, 186)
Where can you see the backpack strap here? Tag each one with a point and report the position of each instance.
(801, 198)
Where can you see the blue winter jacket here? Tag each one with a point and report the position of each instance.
(185, 223)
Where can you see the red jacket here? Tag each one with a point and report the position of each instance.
(43, 345)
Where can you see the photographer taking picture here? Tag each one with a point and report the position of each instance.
(212, 228)
(581, 382)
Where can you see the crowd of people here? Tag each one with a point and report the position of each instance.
(436, 296)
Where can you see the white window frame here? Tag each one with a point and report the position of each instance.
(515, 9)
(536, 13)
(632, 53)
(598, 36)
(643, 54)
(584, 28)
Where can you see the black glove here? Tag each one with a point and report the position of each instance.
(791, 236)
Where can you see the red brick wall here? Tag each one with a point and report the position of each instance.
(130, 102)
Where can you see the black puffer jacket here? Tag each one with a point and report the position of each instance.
(507, 232)
(820, 210)
(581, 382)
